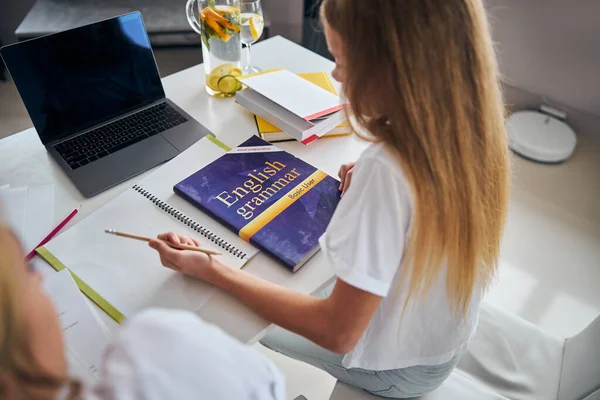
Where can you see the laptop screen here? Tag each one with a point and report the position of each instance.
(75, 79)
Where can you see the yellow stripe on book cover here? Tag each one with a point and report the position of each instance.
(280, 205)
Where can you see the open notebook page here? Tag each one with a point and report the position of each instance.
(128, 273)
(296, 94)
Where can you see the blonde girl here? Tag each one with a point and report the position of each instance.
(415, 240)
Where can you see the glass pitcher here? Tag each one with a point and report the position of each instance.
(219, 23)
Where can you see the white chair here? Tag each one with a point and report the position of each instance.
(510, 358)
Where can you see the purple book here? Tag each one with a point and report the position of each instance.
(272, 199)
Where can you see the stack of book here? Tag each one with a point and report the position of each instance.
(301, 107)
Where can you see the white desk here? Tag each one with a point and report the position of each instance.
(24, 161)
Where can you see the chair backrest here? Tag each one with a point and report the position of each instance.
(580, 375)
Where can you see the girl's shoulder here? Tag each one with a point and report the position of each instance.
(379, 152)
(379, 158)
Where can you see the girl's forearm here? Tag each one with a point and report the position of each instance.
(305, 315)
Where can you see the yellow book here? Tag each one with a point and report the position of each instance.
(271, 133)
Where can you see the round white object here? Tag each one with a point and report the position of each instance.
(540, 137)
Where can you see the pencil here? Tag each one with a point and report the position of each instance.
(174, 245)
(52, 234)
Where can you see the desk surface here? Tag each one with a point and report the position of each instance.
(26, 162)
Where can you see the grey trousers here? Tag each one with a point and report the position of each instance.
(401, 383)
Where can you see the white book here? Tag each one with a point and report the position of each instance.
(127, 274)
(298, 107)
(298, 128)
(296, 94)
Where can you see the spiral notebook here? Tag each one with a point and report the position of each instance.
(123, 276)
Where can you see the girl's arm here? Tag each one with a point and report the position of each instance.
(335, 323)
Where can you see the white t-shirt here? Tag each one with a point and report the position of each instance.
(365, 243)
(165, 354)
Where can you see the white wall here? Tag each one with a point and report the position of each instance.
(551, 48)
(286, 18)
(12, 13)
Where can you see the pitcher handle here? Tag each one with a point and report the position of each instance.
(192, 17)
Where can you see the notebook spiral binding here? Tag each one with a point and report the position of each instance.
(190, 223)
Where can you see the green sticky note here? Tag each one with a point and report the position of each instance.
(84, 287)
(216, 141)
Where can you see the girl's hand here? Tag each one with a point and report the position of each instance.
(345, 174)
(192, 263)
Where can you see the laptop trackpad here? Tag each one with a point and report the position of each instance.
(122, 165)
(184, 135)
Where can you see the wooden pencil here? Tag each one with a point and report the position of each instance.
(174, 245)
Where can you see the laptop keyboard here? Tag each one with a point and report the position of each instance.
(108, 139)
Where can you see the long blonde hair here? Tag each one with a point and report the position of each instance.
(20, 377)
(422, 78)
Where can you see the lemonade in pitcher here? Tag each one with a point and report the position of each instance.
(219, 24)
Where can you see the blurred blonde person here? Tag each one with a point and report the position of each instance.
(160, 354)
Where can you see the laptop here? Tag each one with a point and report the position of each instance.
(95, 97)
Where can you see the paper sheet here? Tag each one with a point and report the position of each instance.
(39, 215)
(41, 266)
(13, 203)
(85, 335)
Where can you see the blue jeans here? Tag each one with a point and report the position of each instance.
(401, 383)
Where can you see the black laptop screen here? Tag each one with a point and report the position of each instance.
(73, 80)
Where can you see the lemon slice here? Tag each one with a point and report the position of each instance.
(228, 84)
(212, 81)
(223, 69)
(236, 72)
(256, 26)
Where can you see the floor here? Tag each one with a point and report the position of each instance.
(13, 116)
(550, 265)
